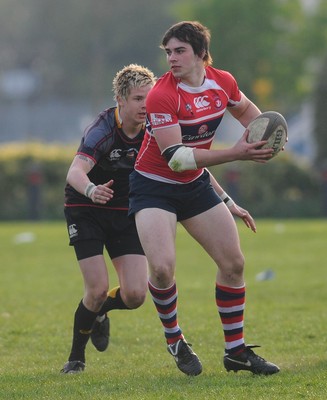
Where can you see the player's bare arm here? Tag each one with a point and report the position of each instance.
(242, 151)
(245, 111)
(232, 206)
(168, 140)
(168, 137)
(78, 179)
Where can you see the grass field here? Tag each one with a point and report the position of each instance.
(40, 287)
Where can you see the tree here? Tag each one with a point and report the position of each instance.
(320, 97)
(268, 45)
(75, 46)
(320, 107)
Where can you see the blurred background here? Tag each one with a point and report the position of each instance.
(58, 59)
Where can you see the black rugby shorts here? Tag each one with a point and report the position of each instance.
(184, 200)
(92, 228)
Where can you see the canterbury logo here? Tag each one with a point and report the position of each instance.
(72, 230)
(115, 154)
(201, 102)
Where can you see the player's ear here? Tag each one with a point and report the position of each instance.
(120, 100)
(203, 54)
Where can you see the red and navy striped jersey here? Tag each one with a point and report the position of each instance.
(198, 111)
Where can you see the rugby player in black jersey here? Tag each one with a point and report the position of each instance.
(96, 206)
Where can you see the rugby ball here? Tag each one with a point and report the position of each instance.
(270, 126)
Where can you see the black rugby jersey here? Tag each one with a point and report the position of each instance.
(114, 155)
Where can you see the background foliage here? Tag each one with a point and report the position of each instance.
(32, 177)
(282, 188)
(274, 48)
(277, 50)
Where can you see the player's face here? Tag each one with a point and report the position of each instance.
(132, 109)
(181, 59)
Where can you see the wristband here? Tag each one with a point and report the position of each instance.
(227, 200)
(90, 188)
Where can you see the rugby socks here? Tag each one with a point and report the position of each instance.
(113, 302)
(231, 302)
(165, 301)
(83, 323)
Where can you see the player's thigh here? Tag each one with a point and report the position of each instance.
(216, 231)
(95, 273)
(157, 232)
(132, 271)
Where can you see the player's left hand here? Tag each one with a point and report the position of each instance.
(244, 215)
(103, 193)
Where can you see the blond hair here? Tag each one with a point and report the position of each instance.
(131, 76)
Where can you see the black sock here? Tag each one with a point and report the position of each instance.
(83, 323)
(113, 302)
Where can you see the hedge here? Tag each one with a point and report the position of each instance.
(32, 178)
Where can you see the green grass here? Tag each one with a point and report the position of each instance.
(40, 287)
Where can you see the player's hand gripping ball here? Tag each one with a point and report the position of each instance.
(270, 126)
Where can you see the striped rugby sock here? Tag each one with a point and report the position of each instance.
(231, 302)
(165, 301)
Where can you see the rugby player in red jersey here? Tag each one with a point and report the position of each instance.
(171, 184)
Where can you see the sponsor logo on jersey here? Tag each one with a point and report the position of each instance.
(72, 230)
(117, 154)
(201, 103)
(160, 119)
(203, 129)
(131, 153)
(203, 133)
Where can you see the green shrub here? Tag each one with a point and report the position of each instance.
(280, 188)
(32, 179)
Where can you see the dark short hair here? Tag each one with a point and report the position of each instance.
(194, 33)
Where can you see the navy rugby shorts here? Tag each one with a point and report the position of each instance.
(91, 228)
(184, 200)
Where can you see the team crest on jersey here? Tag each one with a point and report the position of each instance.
(160, 119)
(188, 107)
(218, 102)
(131, 153)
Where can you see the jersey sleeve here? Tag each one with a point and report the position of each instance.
(162, 105)
(234, 91)
(98, 138)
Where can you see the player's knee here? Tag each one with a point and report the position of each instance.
(102, 296)
(233, 267)
(162, 273)
(238, 265)
(135, 298)
(97, 296)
